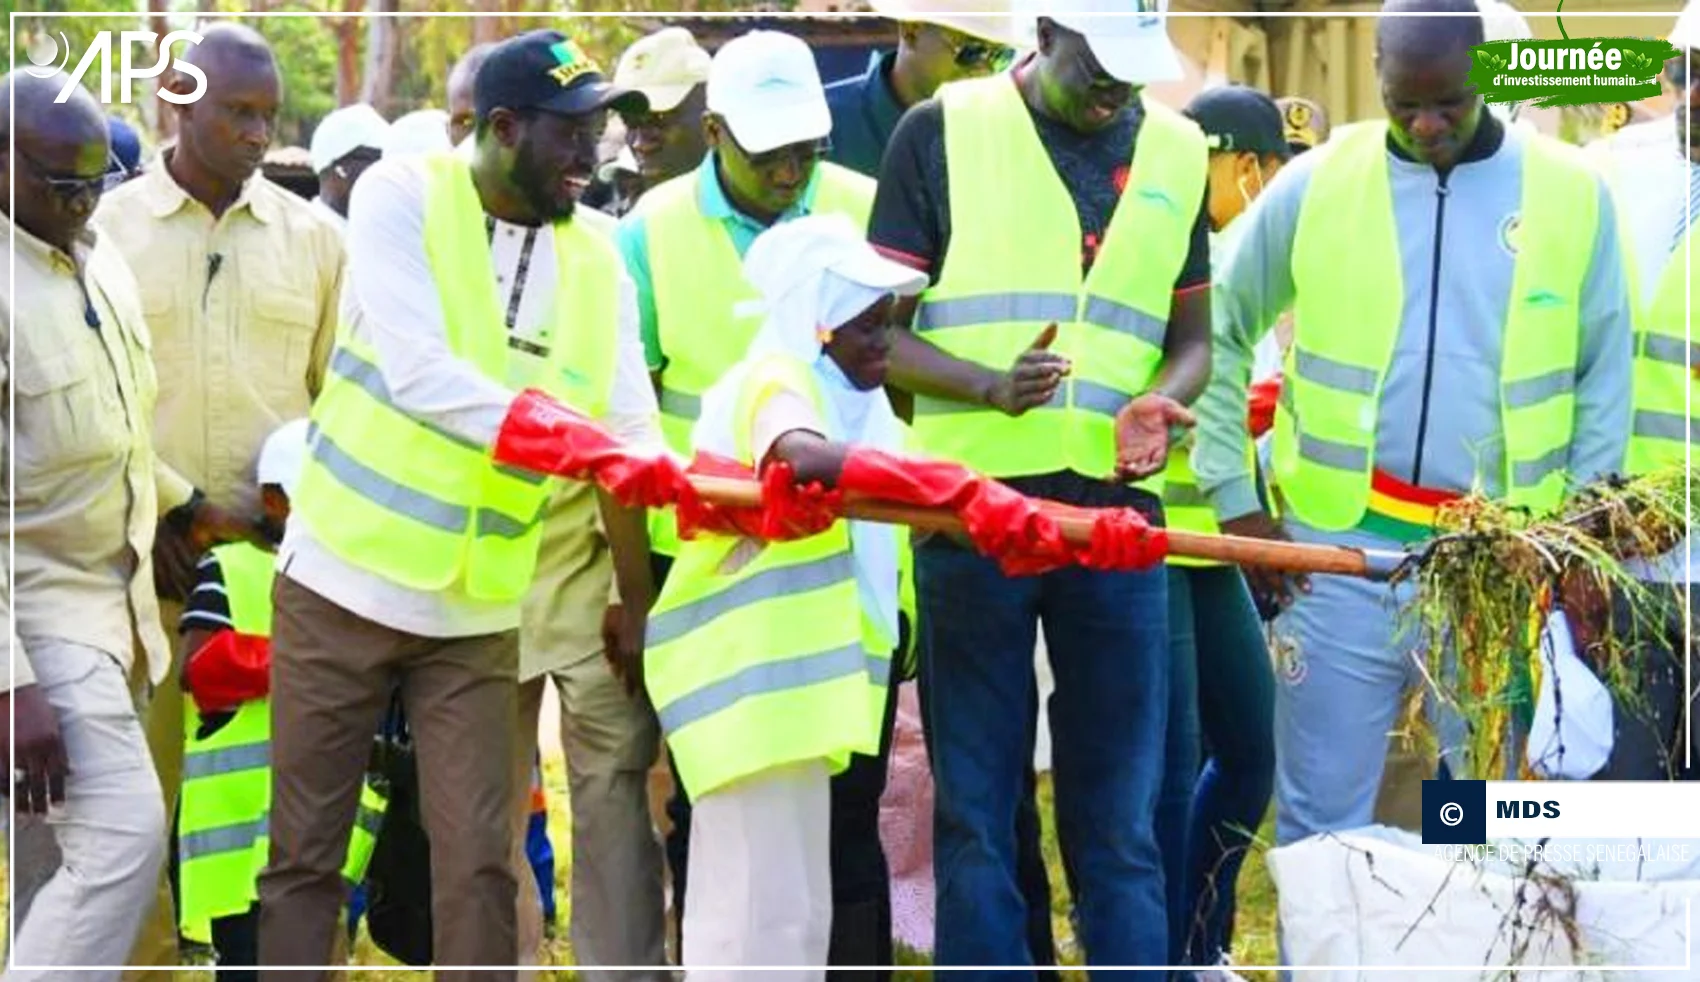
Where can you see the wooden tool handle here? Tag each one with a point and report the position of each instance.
(1293, 557)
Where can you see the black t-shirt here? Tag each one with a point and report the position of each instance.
(911, 213)
(911, 223)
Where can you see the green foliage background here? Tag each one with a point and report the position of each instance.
(307, 47)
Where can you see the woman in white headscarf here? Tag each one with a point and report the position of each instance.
(768, 662)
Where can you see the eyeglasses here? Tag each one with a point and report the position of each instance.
(69, 189)
(798, 155)
(975, 54)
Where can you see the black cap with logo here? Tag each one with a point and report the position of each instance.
(545, 70)
(1239, 119)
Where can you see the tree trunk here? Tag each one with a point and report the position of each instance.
(487, 30)
(382, 47)
(348, 53)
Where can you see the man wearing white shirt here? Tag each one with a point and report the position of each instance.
(345, 143)
(1654, 172)
(410, 551)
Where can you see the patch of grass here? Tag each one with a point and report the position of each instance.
(1254, 929)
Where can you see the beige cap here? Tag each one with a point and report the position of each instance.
(987, 20)
(664, 66)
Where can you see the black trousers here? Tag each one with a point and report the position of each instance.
(237, 941)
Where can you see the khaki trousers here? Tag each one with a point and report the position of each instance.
(616, 889)
(163, 723)
(332, 675)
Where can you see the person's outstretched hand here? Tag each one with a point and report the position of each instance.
(1033, 379)
(1142, 434)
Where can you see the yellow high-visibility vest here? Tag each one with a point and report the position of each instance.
(1014, 266)
(698, 281)
(1349, 298)
(774, 662)
(1667, 390)
(416, 504)
(222, 826)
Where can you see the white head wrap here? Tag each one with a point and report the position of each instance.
(814, 274)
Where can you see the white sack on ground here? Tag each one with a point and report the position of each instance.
(1353, 898)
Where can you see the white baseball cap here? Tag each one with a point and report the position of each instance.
(420, 131)
(344, 131)
(1686, 33)
(1503, 22)
(767, 88)
(1130, 38)
(283, 456)
(664, 66)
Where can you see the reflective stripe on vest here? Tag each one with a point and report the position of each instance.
(772, 663)
(1014, 266)
(1185, 505)
(412, 502)
(698, 281)
(1667, 388)
(1349, 300)
(225, 804)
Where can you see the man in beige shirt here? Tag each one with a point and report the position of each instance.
(239, 282)
(85, 495)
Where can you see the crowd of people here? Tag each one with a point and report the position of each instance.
(293, 480)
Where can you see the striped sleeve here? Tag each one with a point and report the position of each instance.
(208, 608)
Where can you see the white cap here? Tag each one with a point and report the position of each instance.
(823, 263)
(988, 20)
(1686, 33)
(766, 86)
(420, 131)
(345, 131)
(664, 66)
(284, 456)
(1130, 38)
(1503, 22)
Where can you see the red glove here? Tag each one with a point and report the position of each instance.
(1260, 406)
(795, 511)
(542, 435)
(696, 516)
(1121, 538)
(1003, 524)
(230, 669)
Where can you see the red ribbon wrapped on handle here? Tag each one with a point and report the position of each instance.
(1021, 533)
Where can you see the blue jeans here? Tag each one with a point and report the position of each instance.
(1108, 639)
(1219, 649)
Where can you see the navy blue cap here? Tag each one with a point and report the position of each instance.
(1240, 119)
(126, 145)
(545, 70)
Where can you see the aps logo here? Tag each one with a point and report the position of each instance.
(44, 50)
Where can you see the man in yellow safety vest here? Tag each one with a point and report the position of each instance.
(1055, 202)
(410, 549)
(1461, 323)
